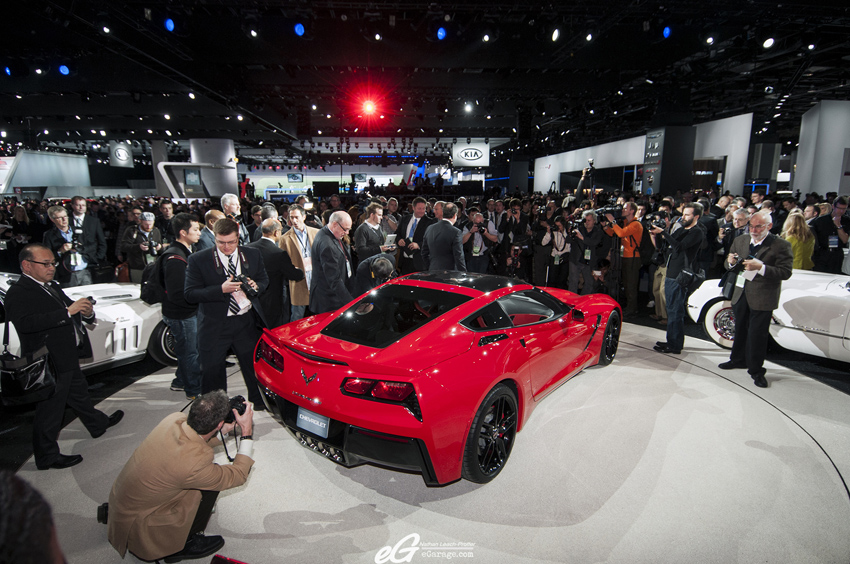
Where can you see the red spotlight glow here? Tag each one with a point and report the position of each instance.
(368, 107)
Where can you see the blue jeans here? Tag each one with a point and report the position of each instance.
(298, 312)
(676, 299)
(185, 333)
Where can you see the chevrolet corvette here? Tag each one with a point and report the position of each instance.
(435, 372)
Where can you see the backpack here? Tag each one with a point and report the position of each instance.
(153, 283)
(645, 248)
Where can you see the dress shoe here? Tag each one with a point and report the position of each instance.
(259, 406)
(760, 380)
(114, 419)
(198, 546)
(666, 349)
(730, 364)
(660, 343)
(63, 461)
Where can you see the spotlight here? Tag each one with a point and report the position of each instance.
(709, 40)
(666, 31)
(556, 34)
(467, 107)
(768, 43)
(303, 28)
(588, 37)
(169, 24)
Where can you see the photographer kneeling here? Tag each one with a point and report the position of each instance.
(162, 500)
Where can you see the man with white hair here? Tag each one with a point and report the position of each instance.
(231, 208)
(142, 244)
(333, 271)
(762, 261)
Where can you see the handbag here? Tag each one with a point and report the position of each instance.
(688, 279)
(122, 272)
(727, 284)
(26, 379)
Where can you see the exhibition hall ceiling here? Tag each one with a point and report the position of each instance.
(238, 69)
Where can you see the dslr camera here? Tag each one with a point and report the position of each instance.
(656, 219)
(237, 403)
(246, 287)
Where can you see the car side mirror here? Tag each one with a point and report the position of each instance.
(578, 315)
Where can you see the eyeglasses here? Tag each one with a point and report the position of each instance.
(53, 263)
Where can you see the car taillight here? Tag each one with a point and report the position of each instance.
(402, 393)
(392, 391)
(269, 355)
(358, 386)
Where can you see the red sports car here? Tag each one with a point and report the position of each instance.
(434, 372)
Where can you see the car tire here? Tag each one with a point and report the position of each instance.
(491, 436)
(718, 322)
(611, 339)
(161, 345)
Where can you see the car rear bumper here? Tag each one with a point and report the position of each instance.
(350, 445)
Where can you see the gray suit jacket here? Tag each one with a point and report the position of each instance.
(442, 247)
(763, 291)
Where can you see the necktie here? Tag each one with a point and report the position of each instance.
(231, 270)
(413, 228)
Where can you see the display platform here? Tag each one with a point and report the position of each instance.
(656, 458)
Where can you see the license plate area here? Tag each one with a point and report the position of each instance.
(312, 422)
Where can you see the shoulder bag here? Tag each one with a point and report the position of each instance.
(26, 379)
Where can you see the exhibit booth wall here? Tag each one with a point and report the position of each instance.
(729, 137)
(823, 158)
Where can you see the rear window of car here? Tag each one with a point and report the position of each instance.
(384, 316)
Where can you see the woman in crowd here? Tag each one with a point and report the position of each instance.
(796, 232)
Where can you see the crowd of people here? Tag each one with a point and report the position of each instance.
(232, 267)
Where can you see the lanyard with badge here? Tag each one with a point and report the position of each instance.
(306, 259)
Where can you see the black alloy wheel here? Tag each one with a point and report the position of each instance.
(161, 346)
(611, 339)
(491, 436)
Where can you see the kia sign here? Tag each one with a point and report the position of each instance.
(470, 154)
(120, 154)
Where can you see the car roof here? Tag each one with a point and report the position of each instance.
(481, 282)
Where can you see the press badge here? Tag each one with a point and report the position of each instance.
(587, 254)
(476, 250)
(308, 264)
(348, 267)
(557, 260)
(833, 241)
(739, 281)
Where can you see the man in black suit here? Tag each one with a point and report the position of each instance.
(280, 269)
(333, 274)
(409, 236)
(78, 243)
(229, 316)
(442, 248)
(373, 272)
(43, 315)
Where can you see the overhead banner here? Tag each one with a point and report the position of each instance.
(470, 154)
(120, 154)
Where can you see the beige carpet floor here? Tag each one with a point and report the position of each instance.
(654, 459)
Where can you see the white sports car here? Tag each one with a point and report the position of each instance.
(812, 316)
(126, 329)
